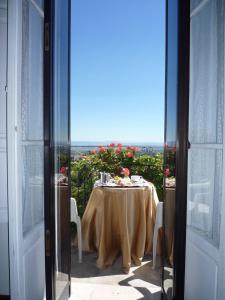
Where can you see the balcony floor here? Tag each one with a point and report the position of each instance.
(90, 283)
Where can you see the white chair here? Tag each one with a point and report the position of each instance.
(158, 224)
(74, 217)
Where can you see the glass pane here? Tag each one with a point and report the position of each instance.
(171, 92)
(40, 3)
(32, 73)
(32, 116)
(170, 146)
(61, 147)
(205, 191)
(205, 157)
(206, 96)
(33, 187)
(195, 4)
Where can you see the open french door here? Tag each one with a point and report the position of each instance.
(57, 147)
(176, 146)
(204, 274)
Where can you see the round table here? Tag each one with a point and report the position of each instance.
(120, 221)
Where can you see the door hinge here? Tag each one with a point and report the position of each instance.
(47, 38)
(47, 243)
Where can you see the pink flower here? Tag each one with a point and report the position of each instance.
(166, 172)
(93, 151)
(112, 145)
(136, 149)
(130, 154)
(118, 150)
(119, 145)
(101, 149)
(125, 171)
(62, 170)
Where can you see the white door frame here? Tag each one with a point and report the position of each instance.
(22, 247)
(222, 225)
(14, 130)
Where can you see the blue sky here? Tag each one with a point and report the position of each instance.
(117, 70)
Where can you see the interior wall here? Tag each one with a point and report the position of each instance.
(4, 249)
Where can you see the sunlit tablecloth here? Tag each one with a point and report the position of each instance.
(120, 221)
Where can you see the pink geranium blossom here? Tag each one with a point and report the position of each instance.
(118, 150)
(136, 149)
(130, 154)
(101, 149)
(133, 149)
(125, 171)
(167, 172)
(62, 170)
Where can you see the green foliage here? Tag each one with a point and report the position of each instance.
(86, 171)
(151, 168)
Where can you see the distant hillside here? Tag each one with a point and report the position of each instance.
(105, 143)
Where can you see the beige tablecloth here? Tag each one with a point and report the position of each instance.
(120, 221)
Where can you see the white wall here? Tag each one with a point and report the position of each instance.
(4, 255)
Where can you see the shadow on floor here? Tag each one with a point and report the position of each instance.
(88, 268)
(148, 295)
(143, 279)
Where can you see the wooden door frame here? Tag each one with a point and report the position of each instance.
(14, 66)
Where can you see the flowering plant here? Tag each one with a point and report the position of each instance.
(62, 170)
(125, 172)
(167, 172)
(115, 159)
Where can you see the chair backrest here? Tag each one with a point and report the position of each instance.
(73, 210)
(159, 213)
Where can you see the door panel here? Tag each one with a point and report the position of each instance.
(205, 191)
(4, 248)
(201, 268)
(57, 153)
(205, 224)
(31, 150)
